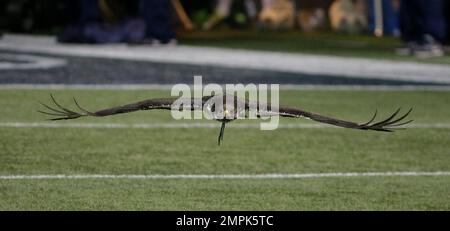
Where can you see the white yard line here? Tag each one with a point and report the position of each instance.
(219, 176)
(185, 125)
(235, 58)
(169, 86)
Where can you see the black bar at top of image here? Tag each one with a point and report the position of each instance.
(226, 220)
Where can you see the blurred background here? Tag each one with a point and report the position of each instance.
(360, 42)
(421, 25)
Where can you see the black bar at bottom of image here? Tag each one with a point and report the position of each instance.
(226, 220)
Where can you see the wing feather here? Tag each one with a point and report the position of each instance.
(63, 113)
(386, 125)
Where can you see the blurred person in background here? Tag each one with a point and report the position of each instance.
(447, 20)
(157, 17)
(111, 21)
(348, 16)
(222, 11)
(272, 13)
(390, 13)
(423, 28)
(277, 14)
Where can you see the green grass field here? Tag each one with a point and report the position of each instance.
(34, 151)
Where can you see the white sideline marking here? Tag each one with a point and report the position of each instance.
(297, 87)
(225, 176)
(186, 125)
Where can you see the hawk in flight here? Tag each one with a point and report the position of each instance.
(226, 113)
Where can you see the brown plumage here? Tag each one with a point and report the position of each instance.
(386, 125)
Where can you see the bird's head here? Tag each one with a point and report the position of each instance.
(223, 109)
(224, 114)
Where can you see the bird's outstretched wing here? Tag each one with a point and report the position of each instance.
(386, 125)
(62, 113)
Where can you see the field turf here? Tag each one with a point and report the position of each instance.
(49, 151)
